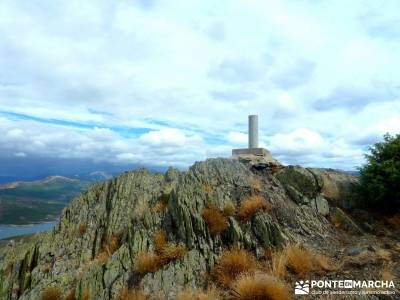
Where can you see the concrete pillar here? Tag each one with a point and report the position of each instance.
(253, 131)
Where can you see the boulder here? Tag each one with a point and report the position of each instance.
(321, 205)
(336, 186)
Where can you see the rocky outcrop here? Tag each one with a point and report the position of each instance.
(94, 248)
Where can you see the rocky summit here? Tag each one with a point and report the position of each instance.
(162, 233)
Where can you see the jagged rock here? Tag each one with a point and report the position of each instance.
(336, 186)
(300, 184)
(124, 210)
(345, 222)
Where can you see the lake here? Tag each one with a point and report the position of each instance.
(7, 231)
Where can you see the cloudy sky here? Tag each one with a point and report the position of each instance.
(156, 82)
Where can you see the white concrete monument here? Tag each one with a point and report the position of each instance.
(254, 152)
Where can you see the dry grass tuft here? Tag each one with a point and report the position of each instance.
(197, 294)
(127, 294)
(85, 295)
(229, 210)
(82, 229)
(299, 260)
(109, 246)
(147, 262)
(278, 262)
(215, 220)
(70, 295)
(172, 252)
(160, 241)
(233, 263)
(51, 293)
(252, 205)
(260, 286)
(384, 254)
(164, 253)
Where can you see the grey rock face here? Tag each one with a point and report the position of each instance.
(321, 205)
(94, 247)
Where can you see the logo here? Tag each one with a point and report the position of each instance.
(302, 287)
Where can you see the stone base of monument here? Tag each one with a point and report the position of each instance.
(255, 156)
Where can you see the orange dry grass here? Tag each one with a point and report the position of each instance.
(299, 259)
(215, 220)
(252, 205)
(147, 262)
(51, 293)
(172, 252)
(85, 295)
(109, 246)
(278, 264)
(160, 240)
(164, 253)
(132, 295)
(197, 294)
(233, 263)
(260, 286)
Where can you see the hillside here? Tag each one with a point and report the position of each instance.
(160, 233)
(24, 202)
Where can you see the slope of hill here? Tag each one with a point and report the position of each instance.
(41, 200)
(150, 236)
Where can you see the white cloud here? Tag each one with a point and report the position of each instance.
(237, 138)
(156, 77)
(164, 137)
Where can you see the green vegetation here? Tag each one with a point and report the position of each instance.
(20, 212)
(380, 176)
(39, 201)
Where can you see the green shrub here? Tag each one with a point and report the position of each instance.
(380, 177)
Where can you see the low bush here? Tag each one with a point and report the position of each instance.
(252, 205)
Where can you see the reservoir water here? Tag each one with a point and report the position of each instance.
(7, 231)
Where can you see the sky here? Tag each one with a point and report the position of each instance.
(167, 83)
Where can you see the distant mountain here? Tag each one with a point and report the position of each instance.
(26, 202)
